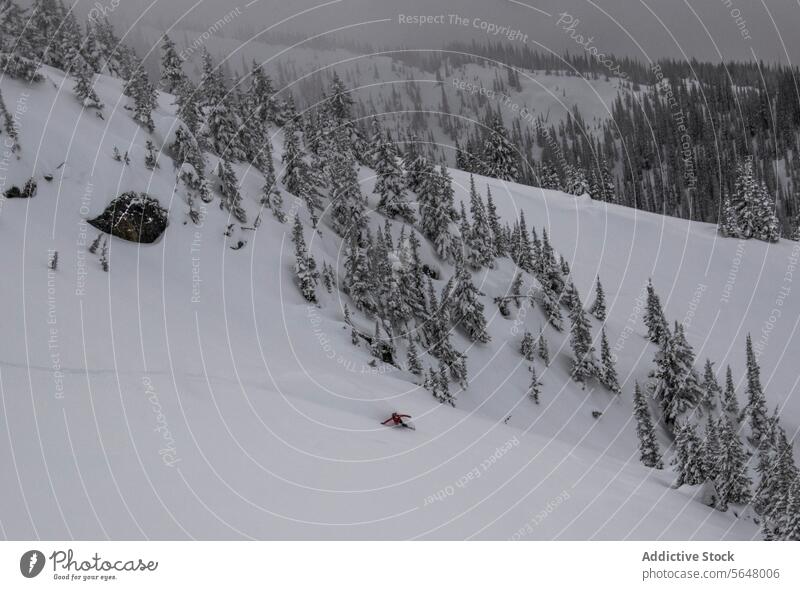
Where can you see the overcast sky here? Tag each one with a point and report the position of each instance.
(705, 29)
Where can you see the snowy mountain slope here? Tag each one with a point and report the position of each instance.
(192, 392)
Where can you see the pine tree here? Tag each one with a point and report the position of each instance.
(229, 189)
(144, 98)
(542, 348)
(730, 402)
(534, 389)
(500, 157)
(357, 282)
(756, 406)
(328, 277)
(654, 319)
(498, 235)
(688, 460)
(297, 176)
(222, 123)
(9, 126)
(711, 389)
(608, 372)
(172, 76)
(649, 453)
(445, 396)
(712, 450)
(150, 158)
(414, 364)
(104, 255)
(53, 262)
(753, 208)
(733, 482)
(84, 83)
(480, 239)
(575, 180)
(389, 183)
(304, 264)
(584, 365)
(598, 309)
(526, 348)
(674, 380)
(347, 202)
(271, 197)
(466, 307)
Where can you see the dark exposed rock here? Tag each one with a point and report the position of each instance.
(136, 217)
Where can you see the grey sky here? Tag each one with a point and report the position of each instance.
(705, 29)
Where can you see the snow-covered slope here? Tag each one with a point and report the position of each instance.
(192, 392)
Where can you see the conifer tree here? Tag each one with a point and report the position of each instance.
(542, 348)
(654, 318)
(753, 207)
(730, 402)
(414, 364)
(534, 389)
(357, 282)
(584, 365)
(151, 157)
(229, 189)
(674, 381)
(516, 289)
(733, 482)
(608, 372)
(304, 264)
(389, 183)
(271, 197)
(711, 389)
(445, 396)
(712, 450)
(649, 453)
(598, 309)
(480, 239)
(688, 460)
(347, 202)
(756, 406)
(144, 98)
(466, 307)
(172, 76)
(84, 83)
(498, 234)
(9, 126)
(296, 174)
(500, 157)
(526, 348)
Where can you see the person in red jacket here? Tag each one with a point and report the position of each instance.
(396, 420)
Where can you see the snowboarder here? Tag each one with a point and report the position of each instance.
(398, 420)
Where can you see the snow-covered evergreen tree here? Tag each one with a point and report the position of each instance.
(674, 381)
(297, 176)
(498, 234)
(598, 309)
(229, 190)
(711, 389)
(480, 239)
(526, 348)
(575, 182)
(389, 183)
(756, 407)
(608, 372)
(535, 386)
(172, 76)
(305, 268)
(688, 461)
(654, 319)
(733, 482)
(730, 402)
(752, 209)
(144, 98)
(84, 83)
(542, 348)
(649, 453)
(466, 307)
(584, 363)
(499, 154)
(412, 357)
